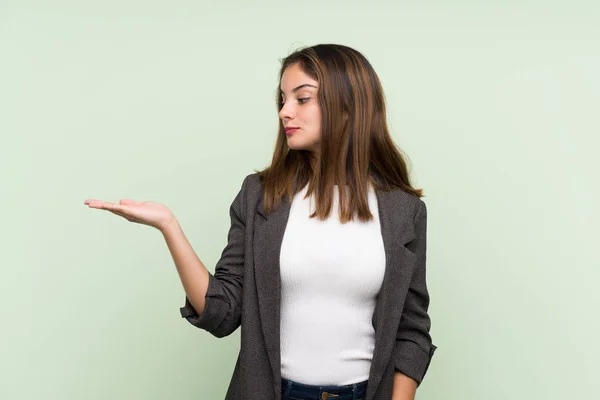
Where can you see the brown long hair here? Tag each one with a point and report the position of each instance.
(355, 146)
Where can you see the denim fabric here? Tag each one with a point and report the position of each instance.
(291, 390)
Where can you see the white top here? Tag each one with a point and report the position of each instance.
(330, 277)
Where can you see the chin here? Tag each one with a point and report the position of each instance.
(295, 146)
(299, 146)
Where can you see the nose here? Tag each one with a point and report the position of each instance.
(286, 112)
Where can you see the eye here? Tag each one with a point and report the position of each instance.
(301, 101)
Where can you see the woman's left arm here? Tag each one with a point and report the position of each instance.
(414, 349)
(405, 387)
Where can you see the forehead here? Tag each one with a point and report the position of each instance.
(293, 77)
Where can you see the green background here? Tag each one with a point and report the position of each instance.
(496, 104)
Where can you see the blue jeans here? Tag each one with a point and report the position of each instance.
(291, 390)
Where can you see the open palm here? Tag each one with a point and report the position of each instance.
(144, 212)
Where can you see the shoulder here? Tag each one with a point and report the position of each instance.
(406, 203)
(252, 183)
(251, 190)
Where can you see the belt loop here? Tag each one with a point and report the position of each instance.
(354, 391)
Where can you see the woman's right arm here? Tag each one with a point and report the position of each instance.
(191, 270)
(213, 302)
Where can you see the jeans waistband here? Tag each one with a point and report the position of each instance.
(296, 390)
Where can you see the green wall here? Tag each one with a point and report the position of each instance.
(496, 104)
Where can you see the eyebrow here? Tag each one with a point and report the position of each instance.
(294, 90)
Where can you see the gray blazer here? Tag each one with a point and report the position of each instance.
(245, 290)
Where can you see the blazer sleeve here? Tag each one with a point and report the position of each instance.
(223, 301)
(414, 349)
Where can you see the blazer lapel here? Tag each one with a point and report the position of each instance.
(268, 236)
(399, 263)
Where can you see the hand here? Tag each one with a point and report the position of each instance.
(145, 212)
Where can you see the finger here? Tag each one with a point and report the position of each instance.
(116, 207)
(105, 205)
(129, 202)
(88, 201)
(96, 203)
(128, 218)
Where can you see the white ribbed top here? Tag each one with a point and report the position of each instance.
(330, 277)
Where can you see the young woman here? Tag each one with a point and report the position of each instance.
(324, 269)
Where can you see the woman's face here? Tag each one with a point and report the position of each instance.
(300, 109)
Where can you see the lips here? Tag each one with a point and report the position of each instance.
(290, 130)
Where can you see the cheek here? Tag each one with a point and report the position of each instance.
(315, 116)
